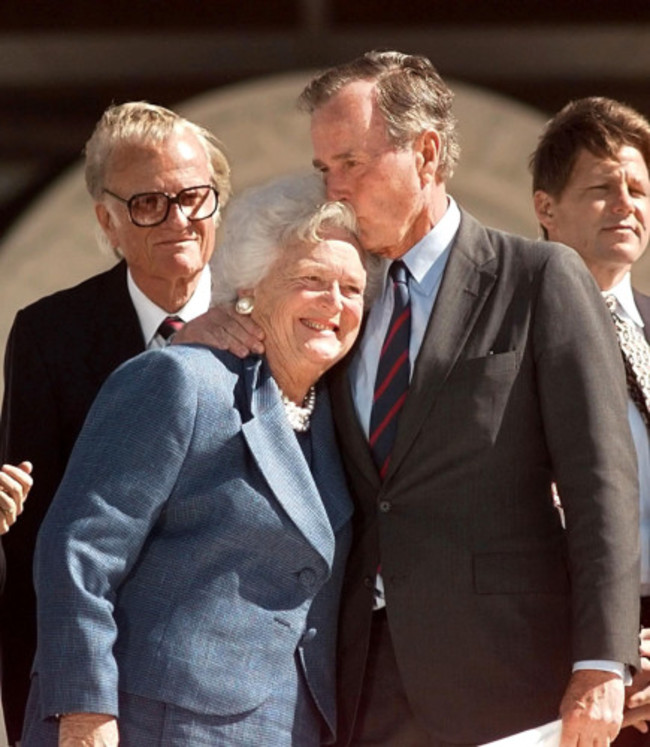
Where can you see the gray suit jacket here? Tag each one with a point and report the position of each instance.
(190, 551)
(519, 382)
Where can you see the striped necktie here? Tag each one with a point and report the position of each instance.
(393, 372)
(169, 326)
(636, 356)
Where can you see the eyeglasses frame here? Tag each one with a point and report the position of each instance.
(171, 200)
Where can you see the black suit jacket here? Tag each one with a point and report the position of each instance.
(60, 351)
(518, 382)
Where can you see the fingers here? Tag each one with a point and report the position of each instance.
(222, 328)
(644, 638)
(15, 484)
(638, 694)
(637, 717)
(5, 523)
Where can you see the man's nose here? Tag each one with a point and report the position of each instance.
(335, 187)
(176, 215)
(623, 202)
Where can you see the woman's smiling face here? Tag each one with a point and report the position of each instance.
(310, 305)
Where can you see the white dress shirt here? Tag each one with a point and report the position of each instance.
(150, 315)
(426, 262)
(627, 310)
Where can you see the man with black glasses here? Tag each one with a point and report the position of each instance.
(158, 183)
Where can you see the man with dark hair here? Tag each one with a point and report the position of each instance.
(487, 370)
(592, 192)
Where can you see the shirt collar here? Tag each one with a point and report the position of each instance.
(622, 292)
(150, 315)
(424, 259)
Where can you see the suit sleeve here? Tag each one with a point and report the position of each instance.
(584, 408)
(121, 472)
(31, 424)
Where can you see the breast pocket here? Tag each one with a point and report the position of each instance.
(475, 397)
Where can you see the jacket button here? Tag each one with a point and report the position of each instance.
(307, 578)
(309, 635)
(385, 506)
(369, 582)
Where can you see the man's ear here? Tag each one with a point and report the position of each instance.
(544, 209)
(428, 147)
(106, 222)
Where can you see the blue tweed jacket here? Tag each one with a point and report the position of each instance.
(190, 550)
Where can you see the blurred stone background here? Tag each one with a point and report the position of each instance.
(237, 66)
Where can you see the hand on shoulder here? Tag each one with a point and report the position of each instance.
(221, 327)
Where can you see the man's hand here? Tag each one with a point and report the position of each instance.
(221, 327)
(88, 730)
(637, 695)
(591, 709)
(15, 484)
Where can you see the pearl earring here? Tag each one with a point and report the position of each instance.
(244, 305)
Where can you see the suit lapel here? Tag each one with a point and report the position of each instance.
(354, 444)
(327, 469)
(280, 459)
(118, 335)
(466, 284)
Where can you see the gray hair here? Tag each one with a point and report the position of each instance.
(141, 123)
(267, 220)
(411, 96)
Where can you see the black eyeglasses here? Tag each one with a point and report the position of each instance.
(148, 209)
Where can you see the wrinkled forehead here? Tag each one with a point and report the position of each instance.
(348, 122)
(180, 149)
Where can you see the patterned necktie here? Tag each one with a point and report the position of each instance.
(169, 326)
(392, 380)
(636, 356)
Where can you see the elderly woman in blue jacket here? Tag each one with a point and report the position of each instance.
(189, 569)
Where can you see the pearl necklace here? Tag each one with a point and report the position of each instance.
(299, 416)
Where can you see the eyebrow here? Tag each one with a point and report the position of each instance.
(317, 163)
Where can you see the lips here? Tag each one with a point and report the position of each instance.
(320, 326)
(622, 227)
(179, 240)
(176, 238)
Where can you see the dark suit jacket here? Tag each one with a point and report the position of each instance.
(643, 305)
(60, 351)
(519, 382)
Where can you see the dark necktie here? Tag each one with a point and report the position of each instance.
(636, 356)
(169, 326)
(391, 384)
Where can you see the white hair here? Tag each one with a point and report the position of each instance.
(266, 220)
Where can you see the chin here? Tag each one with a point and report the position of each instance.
(183, 265)
(325, 357)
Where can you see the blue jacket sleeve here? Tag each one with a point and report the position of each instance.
(121, 472)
